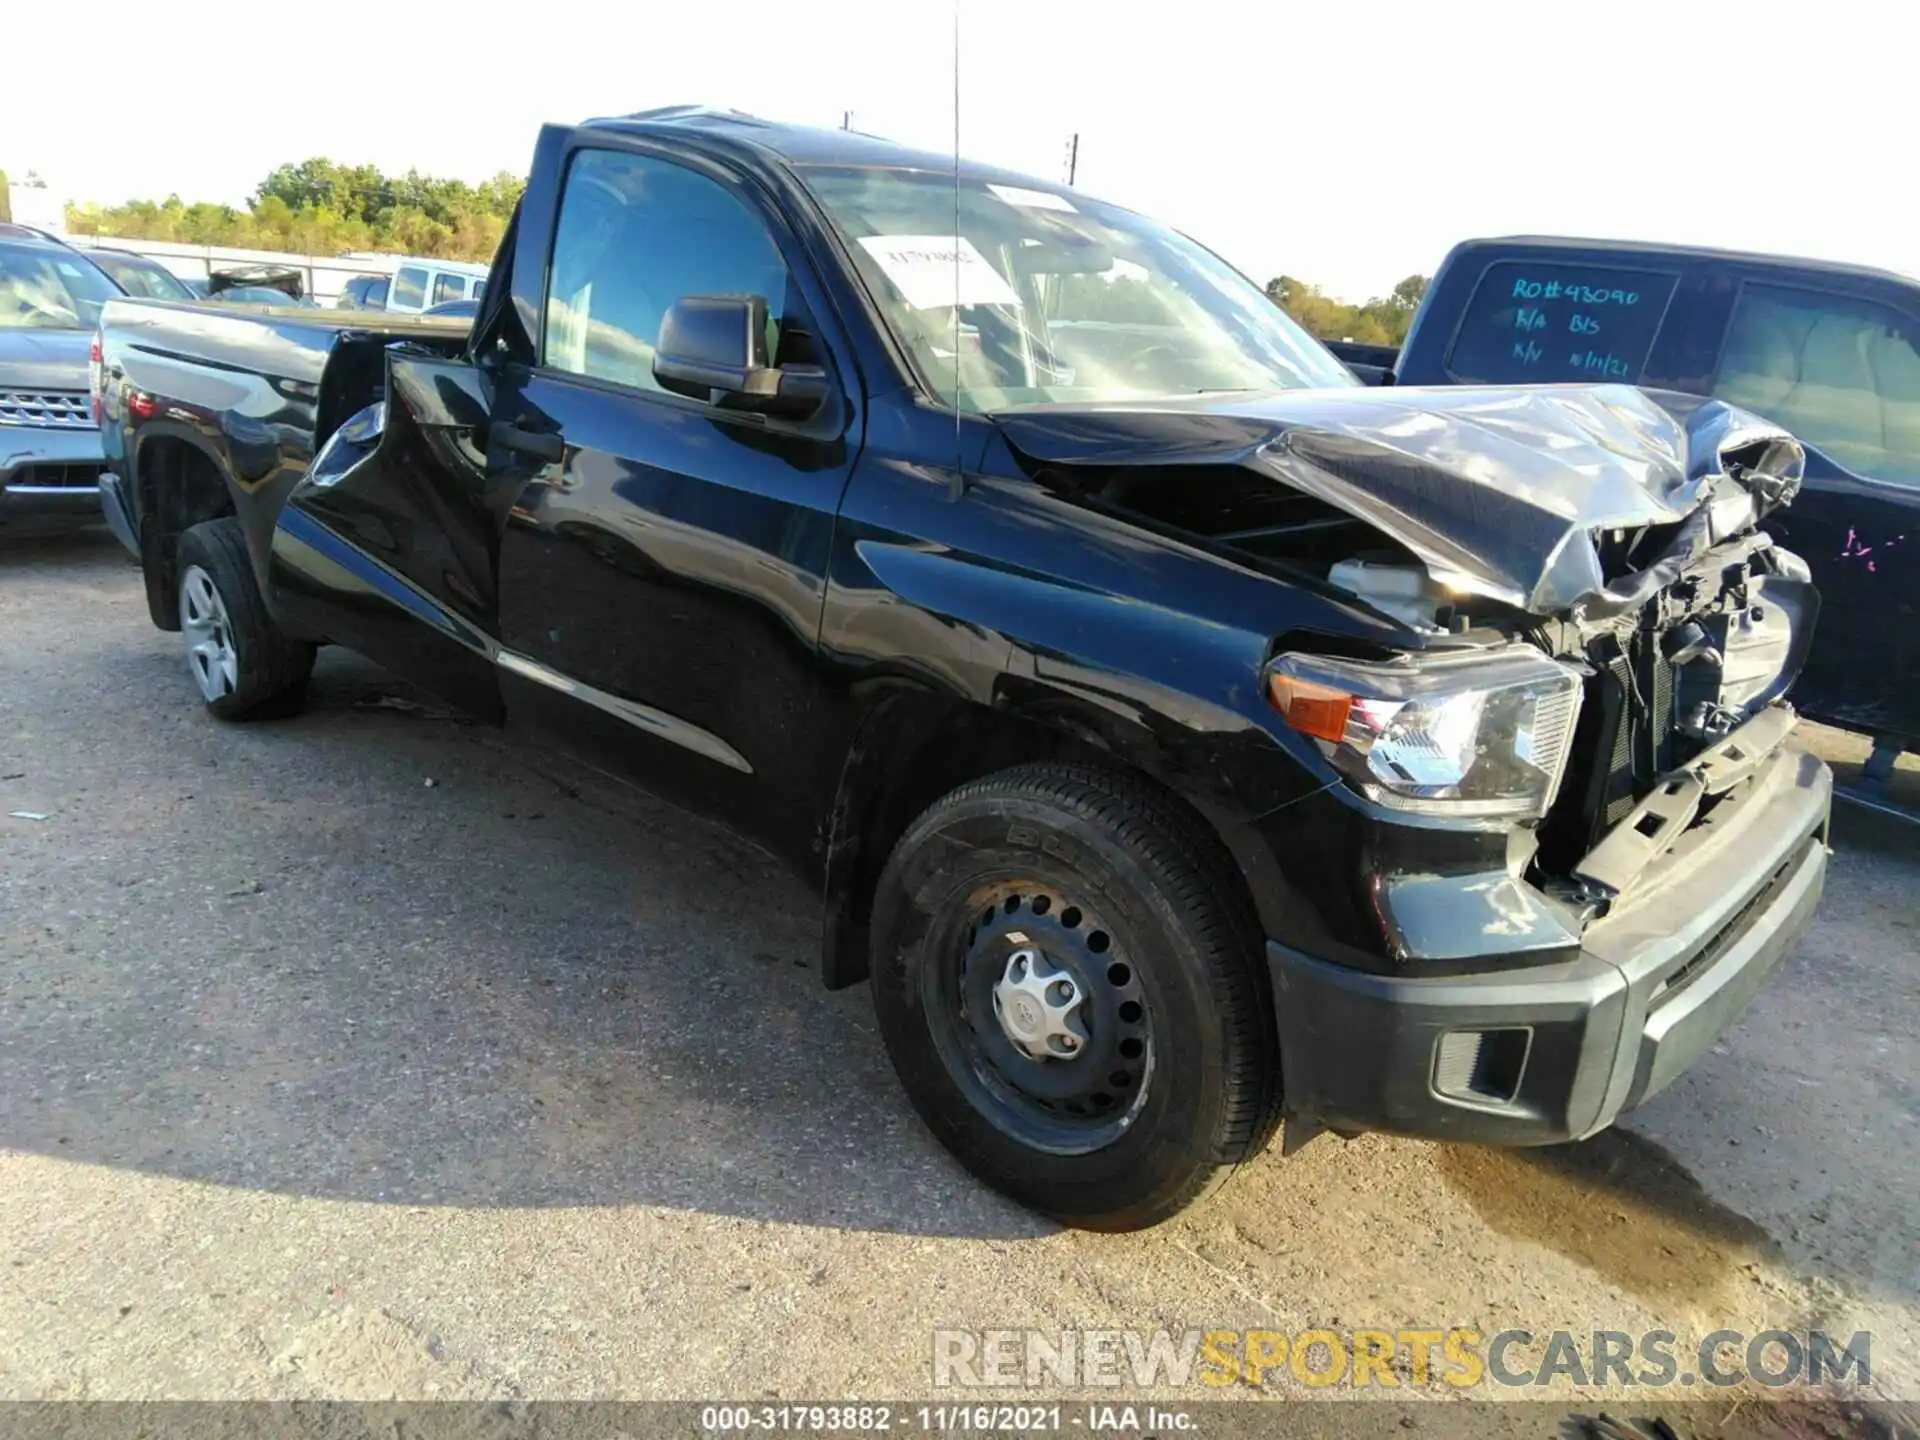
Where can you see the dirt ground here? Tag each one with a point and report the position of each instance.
(368, 1054)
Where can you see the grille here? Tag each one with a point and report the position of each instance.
(64, 476)
(54, 409)
(1729, 932)
(1617, 795)
(1661, 719)
(1642, 746)
(1624, 742)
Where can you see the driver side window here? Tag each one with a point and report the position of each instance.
(636, 234)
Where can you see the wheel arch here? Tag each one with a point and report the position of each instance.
(177, 482)
(914, 744)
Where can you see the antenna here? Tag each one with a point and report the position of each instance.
(1073, 156)
(958, 486)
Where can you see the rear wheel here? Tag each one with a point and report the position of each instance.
(1070, 988)
(241, 663)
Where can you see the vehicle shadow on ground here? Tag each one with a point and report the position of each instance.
(1618, 1203)
(276, 957)
(1807, 1109)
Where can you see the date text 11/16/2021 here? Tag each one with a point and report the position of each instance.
(875, 1419)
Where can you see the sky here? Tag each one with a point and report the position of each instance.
(1346, 144)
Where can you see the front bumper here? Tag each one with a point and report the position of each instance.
(52, 471)
(1533, 1055)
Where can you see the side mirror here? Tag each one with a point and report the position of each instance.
(714, 347)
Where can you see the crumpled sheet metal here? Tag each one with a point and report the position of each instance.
(1499, 490)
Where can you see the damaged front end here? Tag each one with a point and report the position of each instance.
(1599, 638)
(1684, 684)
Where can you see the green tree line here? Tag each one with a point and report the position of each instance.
(1380, 321)
(318, 207)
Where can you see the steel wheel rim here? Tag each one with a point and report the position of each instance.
(211, 655)
(1048, 1105)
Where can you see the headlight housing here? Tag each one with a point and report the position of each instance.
(1482, 734)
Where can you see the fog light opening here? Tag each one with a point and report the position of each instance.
(1481, 1065)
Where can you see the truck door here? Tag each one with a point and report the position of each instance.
(1842, 372)
(393, 554)
(662, 571)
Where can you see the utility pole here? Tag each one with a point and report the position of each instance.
(1073, 156)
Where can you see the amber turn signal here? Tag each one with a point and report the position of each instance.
(1316, 710)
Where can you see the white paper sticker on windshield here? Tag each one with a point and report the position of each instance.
(1033, 199)
(936, 270)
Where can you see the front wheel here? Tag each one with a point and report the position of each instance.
(1069, 985)
(242, 664)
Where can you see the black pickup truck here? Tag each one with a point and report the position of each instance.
(1830, 351)
(1182, 736)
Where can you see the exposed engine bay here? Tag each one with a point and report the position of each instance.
(1614, 530)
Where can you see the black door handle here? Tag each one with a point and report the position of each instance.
(539, 444)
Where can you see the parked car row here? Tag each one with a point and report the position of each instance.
(416, 287)
(50, 298)
(141, 277)
(145, 278)
(433, 287)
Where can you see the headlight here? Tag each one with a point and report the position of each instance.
(1483, 734)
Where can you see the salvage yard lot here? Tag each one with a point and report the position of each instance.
(317, 1078)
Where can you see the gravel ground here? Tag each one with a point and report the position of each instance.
(368, 1054)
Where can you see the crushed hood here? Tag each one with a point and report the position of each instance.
(1501, 492)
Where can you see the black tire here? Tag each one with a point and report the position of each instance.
(268, 670)
(1082, 867)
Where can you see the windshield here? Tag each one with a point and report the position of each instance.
(46, 289)
(1061, 298)
(139, 276)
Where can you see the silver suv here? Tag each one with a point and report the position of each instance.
(50, 299)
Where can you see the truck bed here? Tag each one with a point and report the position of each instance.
(203, 356)
(209, 409)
